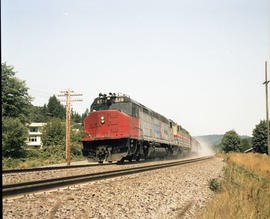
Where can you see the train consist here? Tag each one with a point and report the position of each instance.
(119, 128)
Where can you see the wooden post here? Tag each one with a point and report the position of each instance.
(267, 112)
(67, 94)
(68, 127)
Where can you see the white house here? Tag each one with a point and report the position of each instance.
(35, 132)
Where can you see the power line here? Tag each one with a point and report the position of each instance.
(68, 100)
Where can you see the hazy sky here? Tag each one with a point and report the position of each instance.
(198, 62)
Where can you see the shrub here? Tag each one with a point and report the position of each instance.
(215, 185)
(14, 135)
(54, 133)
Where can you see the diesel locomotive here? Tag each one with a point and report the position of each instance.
(119, 128)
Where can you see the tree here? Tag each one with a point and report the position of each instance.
(231, 141)
(84, 115)
(38, 114)
(54, 137)
(15, 98)
(76, 135)
(75, 117)
(55, 108)
(259, 137)
(14, 135)
(54, 133)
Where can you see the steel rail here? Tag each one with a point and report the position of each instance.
(33, 186)
(53, 168)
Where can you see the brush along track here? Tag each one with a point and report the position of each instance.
(21, 188)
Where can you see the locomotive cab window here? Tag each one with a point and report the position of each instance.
(123, 107)
(135, 110)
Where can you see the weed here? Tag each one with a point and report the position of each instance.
(215, 185)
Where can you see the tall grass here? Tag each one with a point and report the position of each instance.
(245, 189)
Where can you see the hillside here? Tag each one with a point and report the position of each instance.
(215, 139)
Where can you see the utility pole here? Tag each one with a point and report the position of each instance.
(267, 115)
(68, 94)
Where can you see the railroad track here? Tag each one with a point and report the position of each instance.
(38, 169)
(52, 168)
(34, 186)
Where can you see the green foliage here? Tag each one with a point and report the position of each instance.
(10, 163)
(54, 152)
(259, 137)
(231, 141)
(54, 133)
(55, 108)
(38, 114)
(15, 98)
(84, 115)
(215, 185)
(76, 145)
(244, 145)
(75, 117)
(14, 134)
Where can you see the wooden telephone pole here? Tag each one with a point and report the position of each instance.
(68, 94)
(267, 113)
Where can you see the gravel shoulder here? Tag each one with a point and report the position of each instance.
(175, 192)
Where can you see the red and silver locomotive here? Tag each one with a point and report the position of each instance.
(119, 128)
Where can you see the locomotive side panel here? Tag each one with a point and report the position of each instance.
(180, 136)
(153, 129)
(185, 138)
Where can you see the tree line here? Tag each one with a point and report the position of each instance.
(231, 140)
(18, 112)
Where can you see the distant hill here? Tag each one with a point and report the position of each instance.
(216, 139)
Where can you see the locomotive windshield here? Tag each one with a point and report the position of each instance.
(118, 103)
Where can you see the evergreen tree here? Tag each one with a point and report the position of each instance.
(38, 114)
(75, 117)
(84, 115)
(55, 108)
(259, 137)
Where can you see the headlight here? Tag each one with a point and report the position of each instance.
(102, 120)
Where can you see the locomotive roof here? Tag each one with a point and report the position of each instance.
(127, 98)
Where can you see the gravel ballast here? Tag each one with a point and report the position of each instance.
(166, 193)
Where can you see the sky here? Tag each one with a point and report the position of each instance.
(197, 62)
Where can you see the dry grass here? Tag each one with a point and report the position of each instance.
(256, 163)
(245, 190)
(181, 212)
